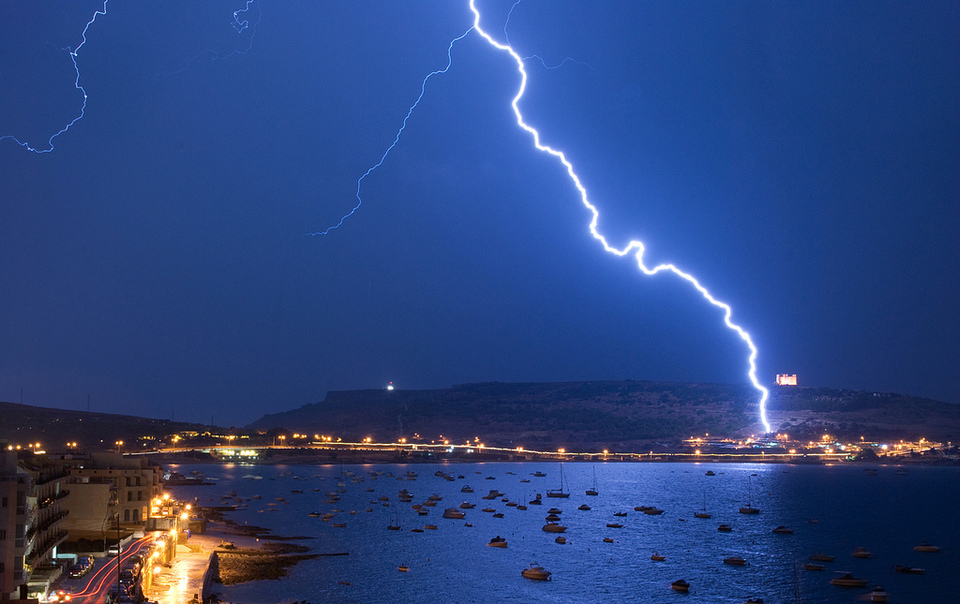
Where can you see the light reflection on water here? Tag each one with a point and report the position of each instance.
(886, 513)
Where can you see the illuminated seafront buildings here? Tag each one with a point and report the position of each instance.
(47, 499)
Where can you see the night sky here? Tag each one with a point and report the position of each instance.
(801, 159)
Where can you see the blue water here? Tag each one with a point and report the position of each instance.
(887, 513)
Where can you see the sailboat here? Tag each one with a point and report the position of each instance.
(395, 524)
(559, 492)
(593, 490)
(703, 513)
(749, 509)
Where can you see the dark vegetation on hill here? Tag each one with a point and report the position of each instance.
(597, 415)
(587, 416)
(54, 427)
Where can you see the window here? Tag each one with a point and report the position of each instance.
(139, 495)
(3, 504)
(138, 481)
(136, 515)
(3, 534)
(126, 515)
(129, 483)
(129, 495)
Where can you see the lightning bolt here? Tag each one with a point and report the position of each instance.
(396, 138)
(240, 23)
(83, 108)
(635, 247)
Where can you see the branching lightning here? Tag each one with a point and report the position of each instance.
(83, 108)
(240, 23)
(635, 247)
(396, 139)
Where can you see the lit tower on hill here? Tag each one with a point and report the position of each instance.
(786, 379)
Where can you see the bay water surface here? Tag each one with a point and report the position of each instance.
(831, 509)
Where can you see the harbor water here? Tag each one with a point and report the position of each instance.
(830, 509)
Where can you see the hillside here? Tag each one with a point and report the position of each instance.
(53, 427)
(616, 415)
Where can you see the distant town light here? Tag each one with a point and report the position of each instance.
(390, 386)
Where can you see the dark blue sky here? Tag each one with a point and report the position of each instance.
(801, 159)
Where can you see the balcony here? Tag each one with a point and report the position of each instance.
(46, 524)
(51, 500)
(49, 542)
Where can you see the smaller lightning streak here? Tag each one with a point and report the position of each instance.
(506, 36)
(633, 245)
(239, 24)
(396, 139)
(73, 57)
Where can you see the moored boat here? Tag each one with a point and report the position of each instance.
(561, 492)
(536, 572)
(498, 541)
(734, 561)
(848, 580)
(657, 557)
(681, 586)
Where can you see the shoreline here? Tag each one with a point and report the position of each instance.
(310, 457)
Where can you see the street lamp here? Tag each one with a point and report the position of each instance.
(119, 444)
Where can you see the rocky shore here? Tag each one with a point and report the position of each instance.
(249, 553)
(270, 562)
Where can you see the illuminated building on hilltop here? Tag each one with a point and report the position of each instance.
(786, 379)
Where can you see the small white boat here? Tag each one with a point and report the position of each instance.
(536, 572)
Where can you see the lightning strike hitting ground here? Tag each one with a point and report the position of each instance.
(73, 57)
(635, 247)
